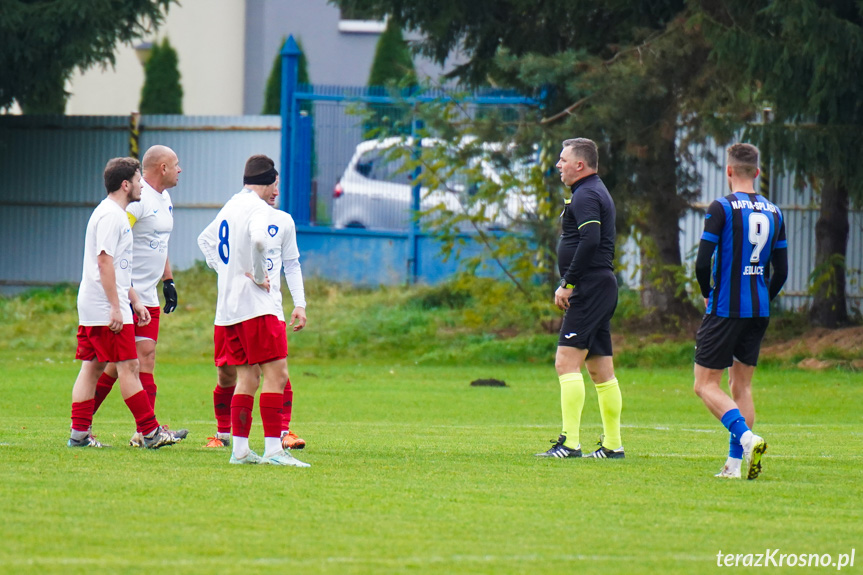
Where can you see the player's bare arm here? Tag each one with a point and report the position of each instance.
(109, 284)
(169, 290)
(168, 274)
(298, 317)
(561, 297)
(140, 309)
(264, 285)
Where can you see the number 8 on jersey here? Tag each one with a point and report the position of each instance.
(224, 246)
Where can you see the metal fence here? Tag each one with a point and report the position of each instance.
(800, 208)
(51, 170)
(51, 179)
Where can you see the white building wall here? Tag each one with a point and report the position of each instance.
(209, 36)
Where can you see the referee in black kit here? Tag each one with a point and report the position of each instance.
(588, 293)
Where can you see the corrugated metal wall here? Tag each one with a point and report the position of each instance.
(213, 151)
(800, 208)
(51, 178)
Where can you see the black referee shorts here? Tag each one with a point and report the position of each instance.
(587, 322)
(721, 340)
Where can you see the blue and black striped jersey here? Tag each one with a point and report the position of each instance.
(747, 229)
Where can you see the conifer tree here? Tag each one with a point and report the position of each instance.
(162, 92)
(393, 61)
(625, 73)
(392, 68)
(47, 99)
(42, 43)
(273, 91)
(805, 59)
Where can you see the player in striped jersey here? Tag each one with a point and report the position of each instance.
(744, 235)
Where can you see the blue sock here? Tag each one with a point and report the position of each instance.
(735, 423)
(735, 450)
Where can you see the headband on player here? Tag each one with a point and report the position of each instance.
(264, 179)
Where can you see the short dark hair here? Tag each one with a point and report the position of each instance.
(118, 170)
(584, 149)
(260, 170)
(257, 165)
(743, 159)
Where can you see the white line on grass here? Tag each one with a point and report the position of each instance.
(654, 426)
(770, 455)
(386, 561)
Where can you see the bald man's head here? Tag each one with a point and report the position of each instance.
(161, 167)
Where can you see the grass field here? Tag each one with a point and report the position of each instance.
(413, 470)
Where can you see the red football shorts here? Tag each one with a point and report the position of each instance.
(258, 340)
(151, 330)
(220, 345)
(100, 343)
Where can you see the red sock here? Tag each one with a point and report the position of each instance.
(150, 387)
(103, 388)
(145, 419)
(82, 415)
(222, 406)
(241, 414)
(271, 414)
(287, 405)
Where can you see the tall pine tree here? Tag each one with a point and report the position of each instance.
(273, 94)
(41, 44)
(392, 68)
(46, 98)
(805, 59)
(162, 92)
(393, 62)
(273, 91)
(628, 74)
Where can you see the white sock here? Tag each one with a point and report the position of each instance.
(79, 435)
(272, 446)
(746, 438)
(733, 464)
(240, 447)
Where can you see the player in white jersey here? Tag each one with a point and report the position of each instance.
(235, 245)
(152, 220)
(282, 253)
(106, 299)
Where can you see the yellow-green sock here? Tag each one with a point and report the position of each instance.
(571, 405)
(610, 406)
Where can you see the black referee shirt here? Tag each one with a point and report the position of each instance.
(588, 224)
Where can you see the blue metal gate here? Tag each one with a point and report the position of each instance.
(320, 135)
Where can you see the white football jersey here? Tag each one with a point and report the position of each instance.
(234, 244)
(107, 231)
(281, 247)
(152, 222)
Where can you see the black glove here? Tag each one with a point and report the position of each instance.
(170, 293)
